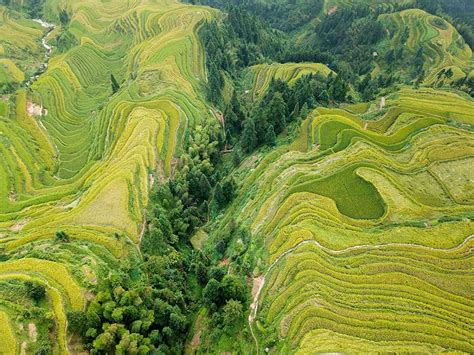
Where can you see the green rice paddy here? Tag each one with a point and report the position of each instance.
(367, 236)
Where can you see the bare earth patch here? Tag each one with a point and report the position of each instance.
(332, 10)
(12, 196)
(32, 333)
(35, 110)
(196, 340)
(256, 288)
(224, 262)
(18, 226)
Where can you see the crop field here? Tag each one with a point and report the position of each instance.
(77, 157)
(20, 48)
(443, 47)
(259, 76)
(367, 233)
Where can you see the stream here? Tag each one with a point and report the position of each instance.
(49, 50)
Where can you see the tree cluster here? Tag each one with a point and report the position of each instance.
(151, 313)
(287, 15)
(349, 35)
(239, 41)
(32, 8)
(283, 104)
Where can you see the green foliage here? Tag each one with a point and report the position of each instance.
(114, 83)
(241, 40)
(233, 313)
(233, 287)
(77, 322)
(211, 293)
(281, 105)
(285, 15)
(133, 320)
(8, 88)
(35, 291)
(62, 237)
(350, 35)
(65, 41)
(32, 8)
(64, 18)
(249, 138)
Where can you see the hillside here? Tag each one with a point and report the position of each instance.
(282, 177)
(431, 41)
(79, 158)
(369, 202)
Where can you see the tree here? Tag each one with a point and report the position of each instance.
(62, 237)
(76, 321)
(228, 188)
(276, 113)
(233, 312)
(211, 292)
(270, 136)
(64, 18)
(34, 8)
(249, 136)
(234, 117)
(234, 287)
(115, 84)
(217, 273)
(219, 196)
(34, 290)
(338, 89)
(104, 341)
(204, 187)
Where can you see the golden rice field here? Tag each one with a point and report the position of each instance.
(20, 48)
(259, 76)
(366, 226)
(443, 47)
(77, 158)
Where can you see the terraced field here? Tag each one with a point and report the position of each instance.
(258, 77)
(78, 158)
(443, 47)
(366, 229)
(20, 49)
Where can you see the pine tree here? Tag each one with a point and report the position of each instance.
(219, 196)
(115, 84)
(270, 136)
(338, 89)
(237, 109)
(64, 18)
(296, 111)
(276, 113)
(249, 136)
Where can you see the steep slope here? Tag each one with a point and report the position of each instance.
(80, 159)
(363, 235)
(259, 76)
(435, 42)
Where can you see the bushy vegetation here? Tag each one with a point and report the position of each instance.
(282, 14)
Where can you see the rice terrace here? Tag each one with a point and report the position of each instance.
(236, 177)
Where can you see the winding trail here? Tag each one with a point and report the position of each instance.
(255, 303)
